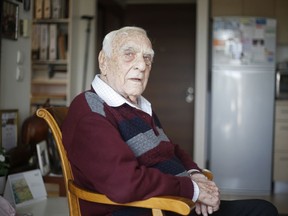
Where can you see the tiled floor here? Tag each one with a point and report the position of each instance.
(279, 200)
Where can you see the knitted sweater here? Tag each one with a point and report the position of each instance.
(123, 153)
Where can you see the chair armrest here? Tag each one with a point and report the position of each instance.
(175, 204)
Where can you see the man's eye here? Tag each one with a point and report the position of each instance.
(148, 60)
(129, 55)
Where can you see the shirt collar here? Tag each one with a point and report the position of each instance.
(113, 99)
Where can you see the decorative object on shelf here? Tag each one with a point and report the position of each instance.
(9, 128)
(43, 158)
(10, 16)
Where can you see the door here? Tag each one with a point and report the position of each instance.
(171, 27)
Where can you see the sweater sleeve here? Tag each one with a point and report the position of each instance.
(186, 159)
(103, 162)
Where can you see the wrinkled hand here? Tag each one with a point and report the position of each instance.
(209, 196)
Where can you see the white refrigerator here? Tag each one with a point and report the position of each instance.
(242, 104)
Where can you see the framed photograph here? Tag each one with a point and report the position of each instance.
(25, 188)
(9, 128)
(43, 158)
(10, 17)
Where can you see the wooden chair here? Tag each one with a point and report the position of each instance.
(54, 116)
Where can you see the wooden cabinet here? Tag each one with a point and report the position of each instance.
(259, 8)
(262, 8)
(280, 141)
(282, 20)
(277, 9)
(50, 52)
(227, 8)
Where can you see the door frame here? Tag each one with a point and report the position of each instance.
(201, 83)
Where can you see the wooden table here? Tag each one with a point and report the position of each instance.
(56, 206)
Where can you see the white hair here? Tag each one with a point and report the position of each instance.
(109, 38)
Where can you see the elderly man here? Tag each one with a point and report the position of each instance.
(116, 144)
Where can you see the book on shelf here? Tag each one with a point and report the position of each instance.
(49, 42)
(47, 9)
(53, 42)
(44, 42)
(65, 8)
(60, 9)
(62, 45)
(36, 32)
(56, 9)
(38, 9)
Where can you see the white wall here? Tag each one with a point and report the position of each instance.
(86, 7)
(15, 94)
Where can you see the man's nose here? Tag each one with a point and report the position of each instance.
(140, 63)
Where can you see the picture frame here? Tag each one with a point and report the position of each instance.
(9, 128)
(43, 157)
(10, 20)
(24, 188)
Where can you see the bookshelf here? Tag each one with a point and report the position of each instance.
(50, 53)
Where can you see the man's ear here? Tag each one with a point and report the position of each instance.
(102, 60)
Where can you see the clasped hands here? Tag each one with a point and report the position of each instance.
(209, 195)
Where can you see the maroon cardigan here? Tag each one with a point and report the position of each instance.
(100, 143)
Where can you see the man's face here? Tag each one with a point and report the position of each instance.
(128, 69)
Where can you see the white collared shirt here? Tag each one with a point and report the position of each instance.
(113, 99)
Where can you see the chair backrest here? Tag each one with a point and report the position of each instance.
(54, 116)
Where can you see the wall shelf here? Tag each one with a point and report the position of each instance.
(50, 54)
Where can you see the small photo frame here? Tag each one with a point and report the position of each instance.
(9, 128)
(10, 17)
(43, 158)
(25, 188)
